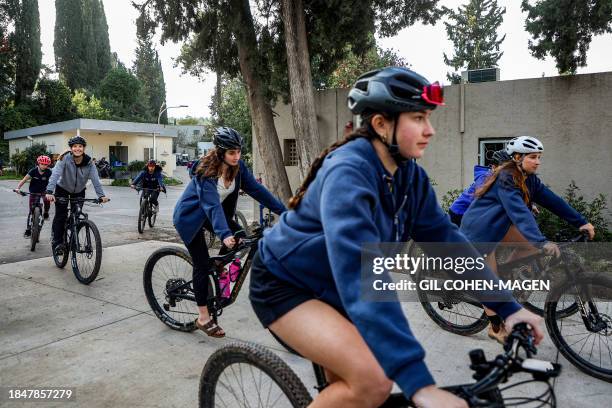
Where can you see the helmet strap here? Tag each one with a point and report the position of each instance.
(400, 160)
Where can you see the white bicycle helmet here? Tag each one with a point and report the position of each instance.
(524, 145)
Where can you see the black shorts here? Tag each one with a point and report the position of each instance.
(272, 297)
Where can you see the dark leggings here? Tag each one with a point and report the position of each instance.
(61, 212)
(201, 260)
(153, 194)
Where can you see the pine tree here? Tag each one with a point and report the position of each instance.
(68, 43)
(100, 28)
(473, 31)
(28, 53)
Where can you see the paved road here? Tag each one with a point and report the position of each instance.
(117, 220)
(104, 340)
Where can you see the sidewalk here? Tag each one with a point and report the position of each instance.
(104, 340)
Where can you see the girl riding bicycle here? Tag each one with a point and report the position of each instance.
(501, 211)
(209, 202)
(306, 277)
(70, 175)
(39, 178)
(150, 178)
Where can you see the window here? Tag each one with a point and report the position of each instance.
(290, 150)
(196, 133)
(148, 153)
(486, 147)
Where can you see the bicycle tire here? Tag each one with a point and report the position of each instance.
(241, 220)
(152, 216)
(256, 357)
(210, 238)
(142, 216)
(35, 227)
(91, 230)
(554, 323)
(160, 311)
(475, 321)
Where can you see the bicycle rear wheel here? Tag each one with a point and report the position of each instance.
(587, 348)
(35, 227)
(62, 260)
(142, 216)
(167, 284)
(249, 375)
(86, 252)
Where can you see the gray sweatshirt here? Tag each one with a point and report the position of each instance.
(73, 178)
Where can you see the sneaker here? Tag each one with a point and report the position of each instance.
(46, 215)
(27, 233)
(154, 208)
(498, 333)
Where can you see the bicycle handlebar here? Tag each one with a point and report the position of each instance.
(79, 199)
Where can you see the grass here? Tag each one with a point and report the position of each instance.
(10, 175)
(171, 181)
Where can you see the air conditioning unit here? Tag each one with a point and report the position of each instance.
(474, 76)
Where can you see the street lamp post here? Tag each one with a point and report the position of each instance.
(162, 109)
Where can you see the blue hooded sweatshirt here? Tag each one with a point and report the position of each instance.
(200, 201)
(461, 204)
(489, 217)
(317, 247)
(150, 180)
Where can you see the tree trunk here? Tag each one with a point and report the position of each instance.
(303, 109)
(218, 92)
(267, 139)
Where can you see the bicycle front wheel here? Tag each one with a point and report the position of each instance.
(585, 337)
(35, 227)
(86, 252)
(249, 375)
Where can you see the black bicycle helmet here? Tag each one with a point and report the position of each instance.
(500, 156)
(393, 90)
(77, 140)
(226, 138)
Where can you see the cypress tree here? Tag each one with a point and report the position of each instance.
(68, 43)
(100, 28)
(28, 53)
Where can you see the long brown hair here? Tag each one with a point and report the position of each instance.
(517, 175)
(364, 131)
(210, 166)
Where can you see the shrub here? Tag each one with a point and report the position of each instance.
(136, 165)
(121, 183)
(449, 198)
(594, 211)
(24, 161)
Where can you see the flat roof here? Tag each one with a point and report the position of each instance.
(93, 125)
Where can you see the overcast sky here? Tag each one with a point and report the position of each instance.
(422, 46)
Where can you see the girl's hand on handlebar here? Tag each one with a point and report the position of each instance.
(229, 242)
(588, 228)
(525, 316)
(50, 198)
(433, 397)
(550, 248)
(104, 199)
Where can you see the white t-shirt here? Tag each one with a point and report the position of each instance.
(225, 192)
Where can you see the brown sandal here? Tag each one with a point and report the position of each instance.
(211, 328)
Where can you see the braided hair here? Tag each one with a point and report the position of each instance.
(366, 131)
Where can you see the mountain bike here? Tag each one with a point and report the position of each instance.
(168, 283)
(577, 310)
(249, 375)
(81, 240)
(35, 218)
(146, 212)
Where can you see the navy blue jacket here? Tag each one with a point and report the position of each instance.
(317, 247)
(200, 201)
(489, 217)
(461, 204)
(150, 180)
